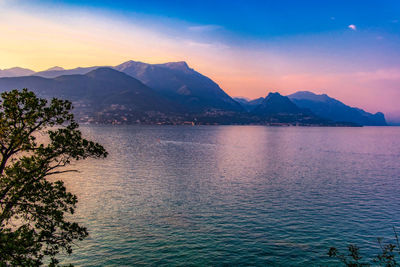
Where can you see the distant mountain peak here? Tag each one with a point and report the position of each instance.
(104, 72)
(249, 104)
(180, 65)
(303, 93)
(15, 72)
(310, 95)
(275, 103)
(58, 71)
(55, 68)
(132, 62)
(14, 68)
(273, 95)
(137, 65)
(331, 108)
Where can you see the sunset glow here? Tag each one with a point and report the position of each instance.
(354, 59)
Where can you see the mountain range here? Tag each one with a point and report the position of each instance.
(102, 95)
(330, 108)
(174, 93)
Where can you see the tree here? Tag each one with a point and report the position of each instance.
(34, 227)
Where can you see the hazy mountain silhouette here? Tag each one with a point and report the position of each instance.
(15, 72)
(58, 71)
(100, 89)
(278, 109)
(55, 68)
(182, 85)
(275, 103)
(330, 108)
(247, 104)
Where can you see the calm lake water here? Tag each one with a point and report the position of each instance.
(235, 195)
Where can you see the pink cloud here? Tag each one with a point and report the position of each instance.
(352, 27)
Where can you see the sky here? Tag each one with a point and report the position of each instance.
(349, 50)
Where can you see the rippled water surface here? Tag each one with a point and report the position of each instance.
(235, 195)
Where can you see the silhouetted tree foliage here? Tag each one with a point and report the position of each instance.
(386, 257)
(33, 209)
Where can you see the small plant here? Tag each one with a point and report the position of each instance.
(353, 259)
(386, 256)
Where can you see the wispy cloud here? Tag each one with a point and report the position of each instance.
(7, 2)
(352, 27)
(204, 28)
(389, 74)
(206, 45)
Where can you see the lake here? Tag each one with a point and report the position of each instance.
(235, 195)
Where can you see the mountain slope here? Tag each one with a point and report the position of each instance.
(184, 86)
(99, 91)
(15, 72)
(330, 108)
(190, 91)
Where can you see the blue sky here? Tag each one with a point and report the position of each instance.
(263, 19)
(347, 29)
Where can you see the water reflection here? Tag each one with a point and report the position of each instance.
(235, 195)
